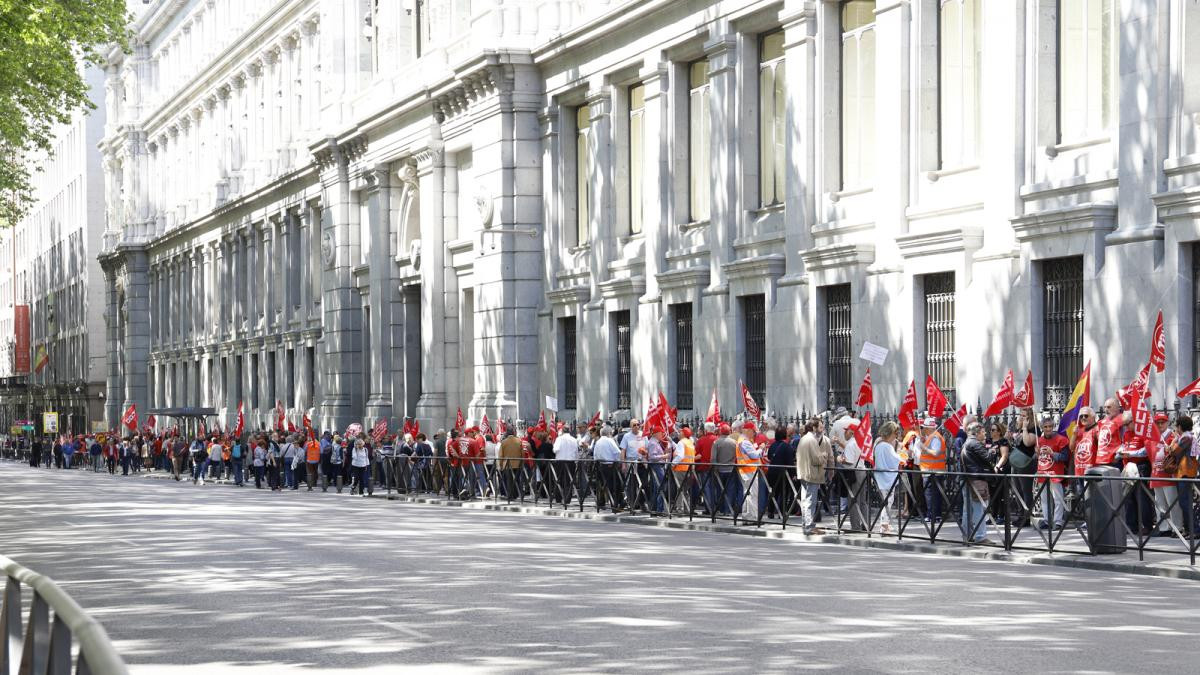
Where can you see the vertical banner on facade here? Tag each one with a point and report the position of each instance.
(50, 422)
(21, 329)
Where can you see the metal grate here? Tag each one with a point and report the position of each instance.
(683, 355)
(624, 365)
(755, 313)
(1062, 326)
(570, 386)
(939, 332)
(837, 344)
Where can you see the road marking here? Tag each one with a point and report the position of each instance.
(411, 632)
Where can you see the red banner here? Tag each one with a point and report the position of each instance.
(130, 418)
(21, 330)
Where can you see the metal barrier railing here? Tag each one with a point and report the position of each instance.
(45, 643)
(1107, 511)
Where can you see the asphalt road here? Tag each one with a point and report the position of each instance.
(218, 579)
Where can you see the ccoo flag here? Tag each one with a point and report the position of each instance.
(1080, 396)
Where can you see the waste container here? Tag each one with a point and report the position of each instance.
(1106, 532)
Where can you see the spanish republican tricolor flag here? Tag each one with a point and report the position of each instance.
(42, 359)
(1080, 396)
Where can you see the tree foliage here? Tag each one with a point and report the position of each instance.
(44, 47)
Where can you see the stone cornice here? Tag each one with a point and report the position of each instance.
(1084, 218)
(569, 295)
(954, 240)
(771, 265)
(623, 287)
(838, 255)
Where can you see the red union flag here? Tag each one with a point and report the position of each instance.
(303, 420)
(501, 427)
(668, 413)
(279, 417)
(714, 409)
(908, 407)
(748, 400)
(954, 422)
(1138, 387)
(130, 418)
(1158, 346)
(485, 426)
(459, 422)
(866, 395)
(240, 425)
(380, 429)
(1143, 421)
(1192, 389)
(935, 400)
(862, 436)
(1024, 397)
(1004, 397)
(595, 420)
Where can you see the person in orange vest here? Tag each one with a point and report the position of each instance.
(312, 460)
(749, 459)
(931, 456)
(683, 478)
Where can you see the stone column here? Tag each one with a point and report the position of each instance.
(114, 388)
(341, 367)
(304, 232)
(892, 167)
(656, 174)
(303, 374)
(136, 337)
(431, 407)
(380, 290)
(725, 211)
(800, 25)
(603, 193)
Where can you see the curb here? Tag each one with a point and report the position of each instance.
(1069, 560)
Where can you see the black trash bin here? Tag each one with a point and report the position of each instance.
(1106, 531)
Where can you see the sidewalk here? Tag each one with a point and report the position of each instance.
(1068, 553)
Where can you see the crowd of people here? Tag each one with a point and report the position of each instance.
(1026, 473)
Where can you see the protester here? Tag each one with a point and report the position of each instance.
(976, 459)
(887, 462)
(814, 455)
(1052, 456)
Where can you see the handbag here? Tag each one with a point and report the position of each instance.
(1020, 459)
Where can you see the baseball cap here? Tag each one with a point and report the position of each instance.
(929, 423)
(724, 429)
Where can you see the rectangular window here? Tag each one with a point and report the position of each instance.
(858, 92)
(959, 82)
(699, 155)
(772, 118)
(754, 315)
(623, 335)
(1062, 327)
(681, 314)
(569, 383)
(939, 331)
(583, 174)
(837, 344)
(637, 145)
(1085, 56)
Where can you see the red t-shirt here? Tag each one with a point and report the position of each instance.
(1108, 439)
(1157, 456)
(1133, 444)
(1046, 463)
(704, 451)
(478, 453)
(1085, 449)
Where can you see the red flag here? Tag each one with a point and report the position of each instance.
(866, 394)
(459, 422)
(1138, 387)
(862, 436)
(714, 409)
(541, 425)
(150, 422)
(241, 422)
(908, 407)
(667, 413)
(502, 428)
(1143, 421)
(1158, 346)
(279, 415)
(595, 420)
(954, 423)
(307, 425)
(291, 427)
(1192, 389)
(653, 421)
(203, 428)
(380, 429)
(1004, 397)
(935, 400)
(485, 426)
(748, 400)
(130, 418)
(1024, 396)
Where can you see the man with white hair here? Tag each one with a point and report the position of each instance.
(607, 456)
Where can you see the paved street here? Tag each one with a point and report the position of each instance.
(186, 577)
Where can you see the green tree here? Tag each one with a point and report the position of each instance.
(44, 45)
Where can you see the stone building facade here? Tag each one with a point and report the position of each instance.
(370, 209)
(48, 263)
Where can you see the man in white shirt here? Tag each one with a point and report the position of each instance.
(607, 455)
(633, 451)
(566, 452)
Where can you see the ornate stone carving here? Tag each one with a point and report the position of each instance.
(328, 248)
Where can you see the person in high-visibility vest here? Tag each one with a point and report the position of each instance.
(931, 456)
(749, 459)
(682, 475)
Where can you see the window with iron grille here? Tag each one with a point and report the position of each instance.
(567, 330)
(682, 315)
(837, 344)
(1062, 327)
(755, 315)
(624, 367)
(939, 331)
